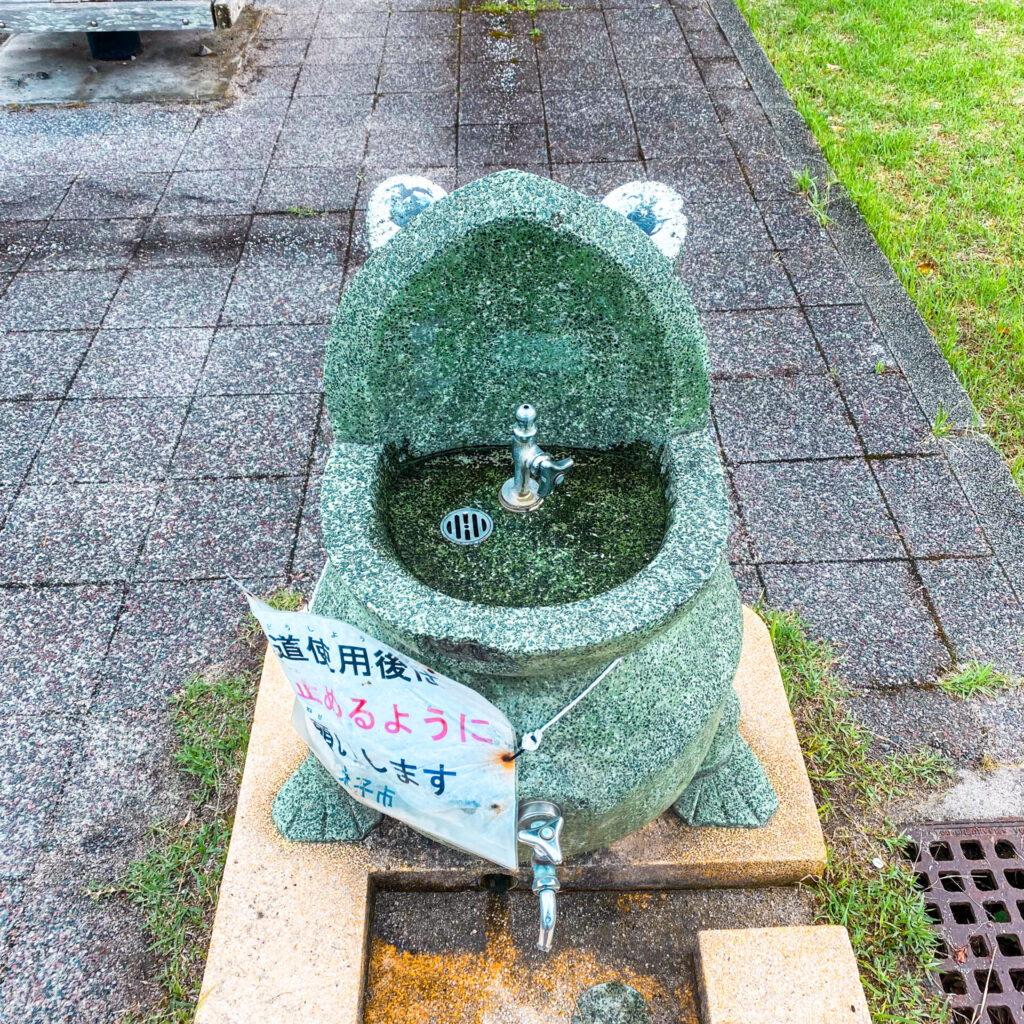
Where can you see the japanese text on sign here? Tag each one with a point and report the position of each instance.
(397, 735)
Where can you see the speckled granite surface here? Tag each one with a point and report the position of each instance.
(428, 352)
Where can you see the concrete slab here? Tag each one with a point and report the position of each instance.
(50, 68)
(275, 896)
(805, 974)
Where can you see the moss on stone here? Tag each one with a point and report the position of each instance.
(602, 526)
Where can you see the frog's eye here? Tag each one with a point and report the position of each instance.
(656, 209)
(395, 202)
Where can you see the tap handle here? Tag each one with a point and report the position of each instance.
(544, 837)
(551, 473)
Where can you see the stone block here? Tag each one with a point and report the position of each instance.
(802, 974)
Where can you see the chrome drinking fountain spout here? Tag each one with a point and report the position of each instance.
(540, 828)
(535, 473)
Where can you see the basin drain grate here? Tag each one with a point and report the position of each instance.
(972, 879)
(467, 526)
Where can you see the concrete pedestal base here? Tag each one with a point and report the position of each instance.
(289, 939)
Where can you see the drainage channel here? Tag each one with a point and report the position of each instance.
(972, 877)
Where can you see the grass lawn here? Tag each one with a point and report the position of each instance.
(919, 107)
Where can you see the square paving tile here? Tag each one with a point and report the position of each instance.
(792, 223)
(676, 71)
(142, 363)
(873, 613)
(32, 196)
(310, 556)
(192, 241)
(819, 276)
(333, 22)
(979, 612)
(564, 74)
(118, 194)
(648, 34)
(428, 108)
(587, 106)
(247, 435)
(930, 507)
(810, 511)
(283, 295)
(169, 297)
(888, 416)
(67, 300)
(301, 148)
(505, 76)
(23, 425)
(104, 806)
(40, 364)
(17, 237)
(736, 280)
(508, 143)
(219, 527)
(581, 143)
(212, 193)
(290, 239)
(55, 640)
(324, 80)
(261, 360)
(686, 105)
(672, 138)
(731, 225)
(230, 143)
(111, 439)
(761, 342)
(166, 632)
(81, 533)
(769, 418)
(397, 76)
(86, 245)
(311, 188)
(75, 960)
(748, 582)
(849, 338)
(598, 179)
(37, 752)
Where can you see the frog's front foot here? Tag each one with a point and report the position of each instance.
(312, 808)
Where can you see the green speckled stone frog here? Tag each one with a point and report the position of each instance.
(517, 289)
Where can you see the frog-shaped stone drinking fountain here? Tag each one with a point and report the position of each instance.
(516, 292)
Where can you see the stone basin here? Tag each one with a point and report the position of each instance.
(517, 289)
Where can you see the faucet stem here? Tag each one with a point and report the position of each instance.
(534, 473)
(540, 828)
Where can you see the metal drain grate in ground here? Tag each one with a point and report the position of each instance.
(972, 876)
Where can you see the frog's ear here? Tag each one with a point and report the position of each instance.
(394, 202)
(656, 209)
